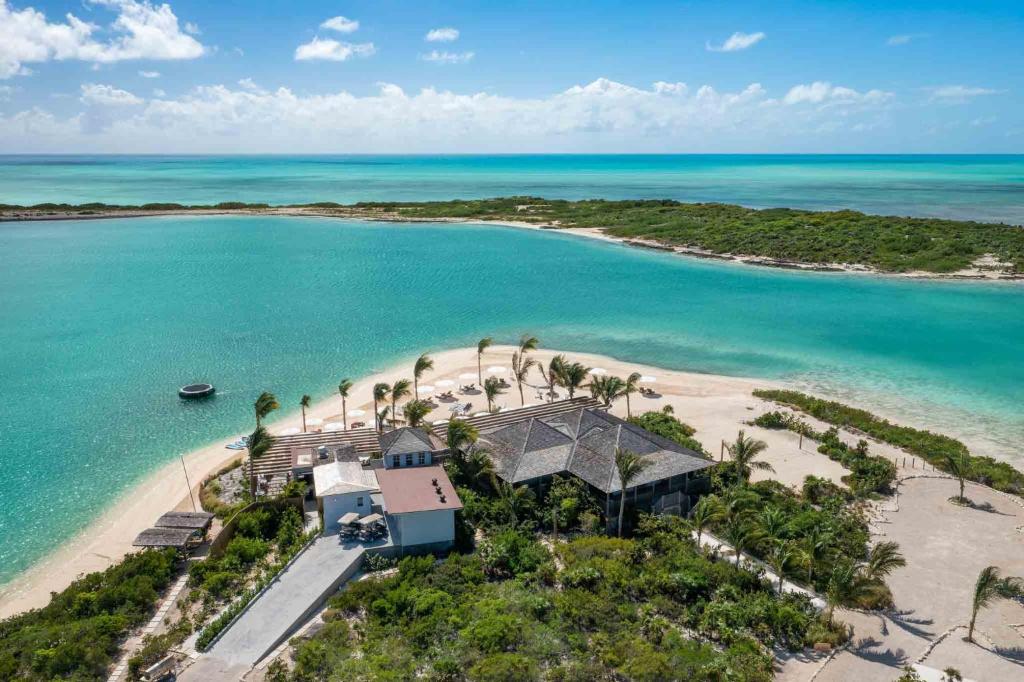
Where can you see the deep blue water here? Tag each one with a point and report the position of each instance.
(100, 321)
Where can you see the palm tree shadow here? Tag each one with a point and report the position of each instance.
(986, 507)
(866, 648)
(902, 620)
(1011, 654)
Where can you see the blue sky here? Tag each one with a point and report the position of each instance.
(369, 76)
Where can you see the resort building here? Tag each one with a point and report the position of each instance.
(342, 488)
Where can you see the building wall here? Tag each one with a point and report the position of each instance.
(426, 527)
(336, 506)
(408, 459)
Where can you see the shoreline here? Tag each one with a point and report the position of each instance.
(972, 274)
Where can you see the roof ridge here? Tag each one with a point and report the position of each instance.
(522, 451)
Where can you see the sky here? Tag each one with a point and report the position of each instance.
(587, 76)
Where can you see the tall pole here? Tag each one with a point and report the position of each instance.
(187, 483)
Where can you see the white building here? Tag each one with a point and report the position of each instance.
(343, 487)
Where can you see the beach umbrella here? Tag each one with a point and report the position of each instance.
(314, 422)
(648, 379)
(334, 426)
(436, 422)
(467, 375)
(444, 383)
(290, 431)
(496, 369)
(356, 413)
(597, 371)
(425, 389)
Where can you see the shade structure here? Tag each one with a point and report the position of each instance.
(426, 388)
(597, 371)
(496, 369)
(444, 383)
(356, 413)
(334, 426)
(290, 431)
(468, 375)
(648, 379)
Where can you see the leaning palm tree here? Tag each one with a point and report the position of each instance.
(264, 405)
(609, 389)
(883, 559)
(989, 587)
(571, 377)
(515, 499)
(550, 374)
(400, 389)
(381, 392)
(782, 555)
(304, 403)
(817, 545)
(631, 386)
(344, 387)
(482, 345)
(415, 411)
(527, 343)
(629, 466)
(744, 452)
(258, 444)
(742, 534)
(846, 584)
(424, 363)
(520, 369)
(460, 437)
(492, 389)
(959, 466)
(706, 512)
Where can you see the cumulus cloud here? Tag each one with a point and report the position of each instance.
(823, 92)
(149, 74)
(901, 39)
(341, 24)
(107, 95)
(737, 41)
(442, 35)
(445, 57)
(142, 31)
(332, 50)
(601, 115)
(959, 93)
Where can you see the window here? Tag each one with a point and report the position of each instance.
(408, 459)
(396, 460)
(422, 458)
(359, 501)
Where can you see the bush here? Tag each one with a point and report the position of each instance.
(667, 426)
(504, 668)
(511, 553)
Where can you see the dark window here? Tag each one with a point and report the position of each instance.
(408, 459)
(396, 460)
(423, 458)
(359, 501)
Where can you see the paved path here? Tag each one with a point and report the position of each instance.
(122, 666)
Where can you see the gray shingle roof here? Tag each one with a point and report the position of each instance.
(404, 440)
(583, 442)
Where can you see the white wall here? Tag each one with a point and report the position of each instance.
(417, 528)
(336, 506)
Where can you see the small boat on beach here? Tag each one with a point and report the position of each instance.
(193, 391)
(240, 444)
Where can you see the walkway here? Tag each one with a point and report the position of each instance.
(122, 666)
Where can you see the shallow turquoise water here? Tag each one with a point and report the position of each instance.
(101, 321)
(975, 187)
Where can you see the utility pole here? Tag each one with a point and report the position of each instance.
(182, 458)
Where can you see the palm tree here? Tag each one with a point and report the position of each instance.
(632, 386)
(479, 467)
(742, 534)
(989, 587)
(259, 443)
(774, 523)
(415, 411)
(520, 369)
(381, 392)
(607, 389)
(782, 555)
(744, 453)
(846, 584)
(344, 386)
(423, 364)
(460, 436)
(959, 465)
(883, 559)
(515, 498)
(482, 345)
(304, 403)
(629, 465)
(817, 547)
(399, 389)
(707, 511)
(264, 405)
(492, 389)
(571, 376)
(551, 374)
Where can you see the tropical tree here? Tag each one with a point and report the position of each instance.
(492, 389)
(344, 387)
(259, 443)
(959, 466)
(460, 437)
(415, 411)
(264, 405)
(632, 386)
(742, 534)
(478, 467)
(550, 374)
(774, 523)
(400, 389)
(629, 466)
(706, 512)
(782, 555)
(424, 363)
(846, 584)
(381, 392)
(883, 559)
(515, 498)
(304, 403)
(607, 389)
(989, 587)
(744, 452)
(817, 545)
(520, 369)
(482, 345)
(571, 376)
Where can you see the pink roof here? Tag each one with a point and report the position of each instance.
(412, 489)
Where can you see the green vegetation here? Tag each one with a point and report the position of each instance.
(665, 425)
(78, 634)
(990, 587)
(868, 474)
(934, 448)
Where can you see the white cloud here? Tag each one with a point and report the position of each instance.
(442, 35)
(107, 95)
(341, 25)
(142, 31)
(5, 92)
(959, 93)
(332, 50)
(157, 92)
(737, 41)
(192, 29)
(446, 57)
(900, 39)
(823, 92)
(149, 74)
(601, 115)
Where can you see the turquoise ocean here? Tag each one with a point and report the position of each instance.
(101, 321)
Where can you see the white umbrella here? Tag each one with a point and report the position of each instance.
(480, 414)
(290, 431)
(425, 389)
(356, 413)
(438, 421)
(445, 382)
(648, 379)
(334, 426)
(468, 375)
(597, 371)
(496, 369)
(314, 421)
